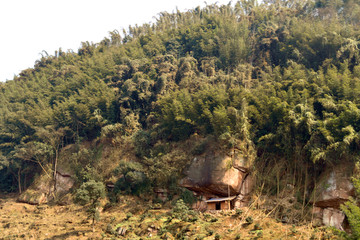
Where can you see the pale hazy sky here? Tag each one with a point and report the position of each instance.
(27, 27)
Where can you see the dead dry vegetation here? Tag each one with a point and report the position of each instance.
(269, 216)
(133, 218)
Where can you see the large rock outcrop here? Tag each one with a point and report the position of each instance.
(243, 199)
(64, 181)
(218, 174)
(42, 190)
(333, 189)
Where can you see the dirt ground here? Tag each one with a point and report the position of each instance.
(24, 221)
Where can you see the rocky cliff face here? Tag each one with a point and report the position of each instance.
(42, 190)
(219, 174)
(333, 189)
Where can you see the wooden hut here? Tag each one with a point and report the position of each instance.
(225, 203)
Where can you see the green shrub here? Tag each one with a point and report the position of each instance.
(89, 194)
(132, 178)
(88, 173)
(352, 210)
(128, 216)
(109, 229)
(188, 196)
(238, 213)
(181, 211)
(257, 227)
(249, 220)
(199, 148)
(142, 143)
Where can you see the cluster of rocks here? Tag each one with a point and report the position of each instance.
(216, 174)
(219, 174)
(333, 189)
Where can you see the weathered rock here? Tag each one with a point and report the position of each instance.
(328, 217)
(161, 194)
(121, 231)
(243, 198)
(64, 182)
(247, 185)
(334, 187)
(333, 217)
(317, 212)
(210, 173)
(33, 197)
(42, 190)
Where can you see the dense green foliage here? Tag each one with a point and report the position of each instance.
(281, 77)
(89, 194)
(351, 208)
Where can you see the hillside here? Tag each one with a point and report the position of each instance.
(277, 81)
(24, 221)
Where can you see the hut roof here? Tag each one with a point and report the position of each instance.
(220, 199)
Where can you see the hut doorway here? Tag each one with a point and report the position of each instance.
(220, 203)
(218, 206)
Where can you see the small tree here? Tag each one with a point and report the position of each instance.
(54, 138)
(181, 211)
(89, 194)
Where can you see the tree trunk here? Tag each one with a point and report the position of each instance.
(19, 180)
(313, 205)
(305, 185)
(93, 223)
(55, 166)
(277, 180)
(24, 184)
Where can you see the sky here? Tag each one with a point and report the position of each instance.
(27, 27)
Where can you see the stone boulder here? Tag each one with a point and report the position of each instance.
(33, 197)
(42, 190)
(243, 199)
(64, 181)
(333, 217)
(161, 193)
(335, 187)
(217, 173)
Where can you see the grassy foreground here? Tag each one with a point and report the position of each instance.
(141, 220)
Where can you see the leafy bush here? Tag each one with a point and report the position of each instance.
(112, 130)
(89, 194)
(238, 212)
(188, 196)
(132, 178)
(199, 148)
(351, 208)
(249, 220)
(181, 211)
(87, 173)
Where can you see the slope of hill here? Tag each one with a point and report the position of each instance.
(278, 81)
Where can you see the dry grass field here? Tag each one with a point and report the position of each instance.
(141, 221)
